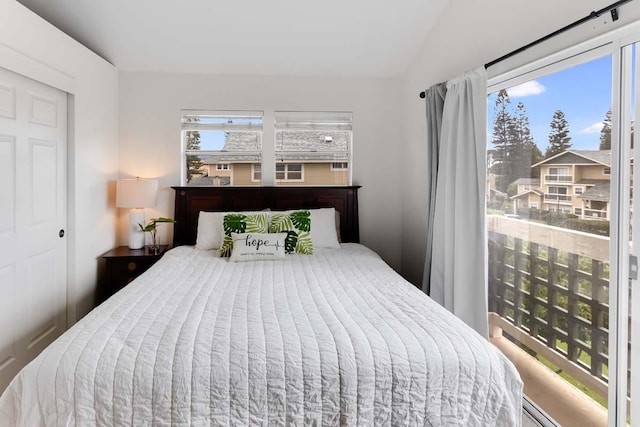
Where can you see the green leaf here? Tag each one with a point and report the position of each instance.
(281, 223)
(257, 223)
(301, 220)
(290, 242)
(304, 244)
(234, 223)
(227, 245)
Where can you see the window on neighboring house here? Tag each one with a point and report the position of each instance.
(256, 172)
(534, 206)
(606, 170)
(289, 172)
(526, 187)
(558, 190)
(578, 190)
(221, 138)
(558, 171)
(577, 211)
(309, 146)
(339, 166)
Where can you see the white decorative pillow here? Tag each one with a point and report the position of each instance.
(258, 246)
(210, 232)
(323, 230)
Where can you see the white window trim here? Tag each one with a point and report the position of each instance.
(575, 190)
(286, 173)
(340, 169)
(253, 173)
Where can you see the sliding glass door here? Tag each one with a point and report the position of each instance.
(564, 301)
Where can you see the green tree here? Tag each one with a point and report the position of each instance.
(526, 151)
(605, 133)
(503, 139)
(559, 139)
(194, 163)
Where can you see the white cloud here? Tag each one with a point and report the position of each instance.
(525, 89)
(594, 128)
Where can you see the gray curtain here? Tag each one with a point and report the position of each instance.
(434, 98)
(458, 278)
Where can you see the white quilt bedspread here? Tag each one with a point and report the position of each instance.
(337, 338)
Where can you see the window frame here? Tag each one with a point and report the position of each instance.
(286, 172)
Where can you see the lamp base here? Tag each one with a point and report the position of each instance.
(136, 236)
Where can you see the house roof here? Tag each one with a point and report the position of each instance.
(599, 192)
(526, 193)
(305, 146)
(527, 181)
(207, 181)
(602, 157)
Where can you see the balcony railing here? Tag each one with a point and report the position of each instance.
(549, 288)
(593, 213)
(562, 198)
(558, 178)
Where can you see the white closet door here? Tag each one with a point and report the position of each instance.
(33, 215)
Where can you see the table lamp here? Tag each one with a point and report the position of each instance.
(136, 194)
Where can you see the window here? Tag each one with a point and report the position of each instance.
(558, 190)
(221, 138)
(289, 172)
(313, 148)
(606, 170)
(256, 172)
(578, 190)
(577, 211)
(225, 148)
(526, 187)
(558, 171)
(339, 166)
(534, 206)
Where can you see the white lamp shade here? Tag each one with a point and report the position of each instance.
(136, 193)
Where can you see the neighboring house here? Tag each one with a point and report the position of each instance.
(574, 181)
(302, 158)
(528, 194)
(491, 192)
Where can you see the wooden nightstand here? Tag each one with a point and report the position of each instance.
(122, 265)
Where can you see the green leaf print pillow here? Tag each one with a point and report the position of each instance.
(242, 223)
(297, 225)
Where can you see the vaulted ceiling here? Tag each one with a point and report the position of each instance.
(369, 38)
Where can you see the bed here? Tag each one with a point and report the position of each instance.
(333, 338)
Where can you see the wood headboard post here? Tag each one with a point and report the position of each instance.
(189, 201)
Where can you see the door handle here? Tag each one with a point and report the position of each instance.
(61, 233)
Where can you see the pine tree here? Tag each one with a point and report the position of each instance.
(605, 133)
(526, 150)
(559, 139)
(502, 139)
(194, 163)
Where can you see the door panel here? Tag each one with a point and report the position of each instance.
(33, 120)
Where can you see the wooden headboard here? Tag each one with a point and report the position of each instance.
(191, 200)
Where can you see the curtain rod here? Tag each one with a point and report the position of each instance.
(613, 7)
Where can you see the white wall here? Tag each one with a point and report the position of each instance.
(32, 47)
(470, 34)
(150, 105)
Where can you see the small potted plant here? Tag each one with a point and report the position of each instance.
(152, 228)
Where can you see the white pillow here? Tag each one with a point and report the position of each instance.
(323, 228)
(210, 233)
(257, 246)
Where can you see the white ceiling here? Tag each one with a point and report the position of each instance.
(376, 38)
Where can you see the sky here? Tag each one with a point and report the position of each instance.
(582, 92)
